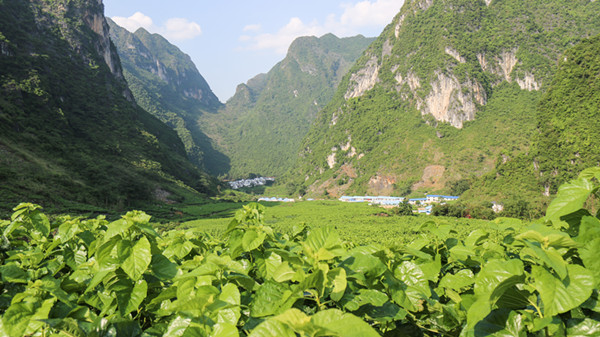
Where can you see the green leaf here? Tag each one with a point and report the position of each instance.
(337, 277)
(12, 273)
(40, 223)
(344, 324)
(230, 294)
(323, 244)
(283, 273)
(178, 326)
(364, 297)
(561, 295)
(494, 279)
(272, 328)
(590, 255)
(412, 275)
(583, 327)
(162, 267)
(224, 330)
(271, 299)
(118, 227)
(252, 240)
(129, 295)
(501, 323)
(138, 261)
(570, 198)
(458, 281)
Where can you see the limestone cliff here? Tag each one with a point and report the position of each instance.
(70, 132)
(448, 84)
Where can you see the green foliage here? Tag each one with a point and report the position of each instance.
(386, 126)
(287, 99)
(166, 83)
(404, 209)
(92, 277)
(68, 132)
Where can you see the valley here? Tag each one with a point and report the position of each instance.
(439, 179)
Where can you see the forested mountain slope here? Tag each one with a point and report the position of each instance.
(167, 84)
(70, 131)
(568, 123)
(262, 125)
(446, 93)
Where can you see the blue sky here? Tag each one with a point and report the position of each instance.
(231, 41)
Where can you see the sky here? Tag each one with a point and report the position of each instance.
(231, 41)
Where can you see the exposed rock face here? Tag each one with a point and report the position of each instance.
(506, 63)
(432, 177)
(449, 102)
(528, 83)
(452, 52)
(381, 185)
(364, 80)
(154, 54)
(97, 22)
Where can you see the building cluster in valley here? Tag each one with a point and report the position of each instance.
(259, 181)
(425, 205)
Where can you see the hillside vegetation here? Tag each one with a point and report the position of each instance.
(70, 133)
(262, 125)
(165, 82)
(448, 92)
(94, 278)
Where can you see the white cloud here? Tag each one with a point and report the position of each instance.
(134, 22)
(252, 28)
(367, 13)
(174, 29)
(181, 29)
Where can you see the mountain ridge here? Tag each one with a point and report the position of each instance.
(167, 84)
(262, 125)
(71, 133)
(447, 89)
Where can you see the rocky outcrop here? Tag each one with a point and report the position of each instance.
(529, 83)
(453, 102)
(97, 22)
(364, 80)
(452, 52)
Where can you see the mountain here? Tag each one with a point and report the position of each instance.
(167, 84)
(70, 132)
(566, 141)
(446, 93)
(262, 125)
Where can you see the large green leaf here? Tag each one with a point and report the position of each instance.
(138, 260)
(162, 267)
(583, 327)
(501, 323)
(224, 330)
(570, 198)
(411, 274)
(12, 273)
(129, 295)
(337, 278)
(590, 255)
(271, 299)
(495, 278)
(462, 279)
(323, 244)
(230, 294)
(178, 326)
(252, 240)
(561, 295)
(25, 318)
(272, 328)
(344, 324)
